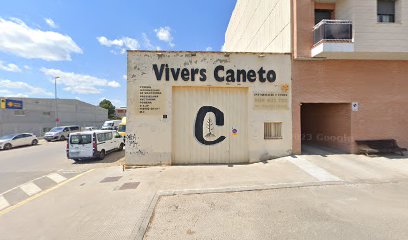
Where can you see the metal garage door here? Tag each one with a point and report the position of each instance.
(209, 125)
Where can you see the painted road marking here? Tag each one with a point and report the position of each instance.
(30, 188)
(56, 177)
(11, 208)
(3, 203)
(313, 170)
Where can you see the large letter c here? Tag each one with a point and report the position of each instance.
(219, 121)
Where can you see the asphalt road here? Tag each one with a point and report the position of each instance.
(20, 165)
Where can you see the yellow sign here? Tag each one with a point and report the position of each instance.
(3, 103)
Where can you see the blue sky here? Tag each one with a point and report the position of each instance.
(84, 42)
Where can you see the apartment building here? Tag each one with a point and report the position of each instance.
(120, 112)
(349, 65)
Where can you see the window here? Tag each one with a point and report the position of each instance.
(18, 137)
(81, 139)
(74, 128)
(386, 11)
(272, 130)
(322, 15)
(101, 137)
(47, 113)
(108, 136)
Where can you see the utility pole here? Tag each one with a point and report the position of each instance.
(56, 101)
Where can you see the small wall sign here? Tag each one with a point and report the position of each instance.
(354, 106)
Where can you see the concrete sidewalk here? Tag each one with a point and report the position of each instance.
(108, 203)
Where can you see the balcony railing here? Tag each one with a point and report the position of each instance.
(333, 30)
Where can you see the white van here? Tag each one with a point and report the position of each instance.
(93, 144)
(111, 125)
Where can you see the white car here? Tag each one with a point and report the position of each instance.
(89, 128)
(111, 125)
(60, 133)
(17, 140)
(93, 144)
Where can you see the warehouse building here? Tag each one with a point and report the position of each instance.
(349, 65)
(207, 108)
(38, 115)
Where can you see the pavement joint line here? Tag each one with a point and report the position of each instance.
(3, 203)
(313, 170)
(31, 198)
(30, 188)
(56, 177)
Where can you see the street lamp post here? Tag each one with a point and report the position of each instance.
(56, 101)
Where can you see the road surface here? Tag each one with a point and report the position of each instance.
(21, 165)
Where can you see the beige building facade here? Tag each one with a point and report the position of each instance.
(208, 108)
(349, 65)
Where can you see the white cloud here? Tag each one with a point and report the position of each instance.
(116, 102)
(124, 77)
(19, 39)
(79, 83)
(26, 67)
(10, 67)
(50, 23)
(223, 48)
(9, 88)
(147, 44)
(209, 49)
(122, 44)
(164, 34)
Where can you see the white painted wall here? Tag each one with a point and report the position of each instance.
(371, 36)
(259, 26)
(150, 136)
(344, 10)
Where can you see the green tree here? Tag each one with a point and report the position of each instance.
(108, 105)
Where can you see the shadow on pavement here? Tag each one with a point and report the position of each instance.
(113, 158)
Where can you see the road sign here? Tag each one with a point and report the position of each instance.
(13, 104)
(3, 103)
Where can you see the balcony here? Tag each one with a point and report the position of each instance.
(332, 37)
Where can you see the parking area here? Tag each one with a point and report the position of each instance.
(298, 197)
(357, 211)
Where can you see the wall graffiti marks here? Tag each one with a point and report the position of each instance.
(133, 145)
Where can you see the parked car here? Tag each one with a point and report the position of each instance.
(111, 125)
(89, 128)
(93, 144)
(61, 133)
(17, 140)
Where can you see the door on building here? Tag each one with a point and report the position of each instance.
(326, 127)
(210, 125)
